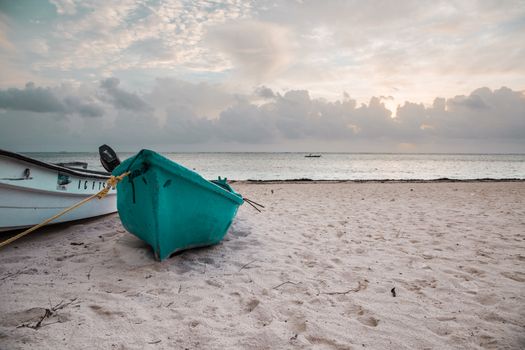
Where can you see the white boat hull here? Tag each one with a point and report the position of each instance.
(32, 191)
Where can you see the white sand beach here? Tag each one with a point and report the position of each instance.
(317, 269)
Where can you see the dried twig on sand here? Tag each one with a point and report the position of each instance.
(243, 266)
(47, 314)
(294, 283)
(361, 286)
(11, 275)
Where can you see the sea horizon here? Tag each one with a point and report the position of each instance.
(270, 166)
(292, 152)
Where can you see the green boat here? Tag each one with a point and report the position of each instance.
(171, 207)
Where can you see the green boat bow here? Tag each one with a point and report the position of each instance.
(173, 208)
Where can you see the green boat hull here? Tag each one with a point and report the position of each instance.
(171, 207)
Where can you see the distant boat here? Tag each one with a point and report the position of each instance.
(173, 208)
(312, 155)
(32, 191)
(82, 165)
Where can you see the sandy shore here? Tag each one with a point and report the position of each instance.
(317, 269)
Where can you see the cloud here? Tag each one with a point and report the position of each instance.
(294, 115)
(474, 101)
(203, 116)
(65, 7)
(179, 96)
(86, 101)
(405, 48)
(82, 107)
(5, 44)
(259, 50)
(484, 113)
(245, 123)
(153, 35)
(264, 92)
(31, 98)
(49, 100)
(120, 98)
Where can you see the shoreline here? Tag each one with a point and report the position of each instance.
(440, 180)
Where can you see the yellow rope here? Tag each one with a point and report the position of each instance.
(111, 183)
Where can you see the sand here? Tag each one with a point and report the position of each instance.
(315, 270)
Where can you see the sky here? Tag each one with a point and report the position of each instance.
(305, 76)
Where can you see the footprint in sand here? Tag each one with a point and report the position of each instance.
(133, 251)
(99, 310)
(440, 328)
(418, 285)
(108, 235)
(214, 283)
(363, 316)
(298, 324)
(337, 261)
(488, 342)
(473, 271)
(368, 321)
(515, 275)
(487, 299)
(492, 317)
(251, 305)
(320, 341)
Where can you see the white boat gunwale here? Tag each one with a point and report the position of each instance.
(71, 171)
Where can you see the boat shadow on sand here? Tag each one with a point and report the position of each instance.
(105, 237)
(135, 252)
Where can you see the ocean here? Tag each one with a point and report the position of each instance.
(331, 166)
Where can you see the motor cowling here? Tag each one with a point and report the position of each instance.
(108, 158)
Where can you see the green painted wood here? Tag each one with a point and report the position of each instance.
(171, 207)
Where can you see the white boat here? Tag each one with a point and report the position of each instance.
(32, 191)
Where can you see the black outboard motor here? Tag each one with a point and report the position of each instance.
(108, 158)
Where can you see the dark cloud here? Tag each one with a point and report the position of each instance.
(120, 98)
(49, 100)
(296, 116)
(472, 102)
(482, 114)
(203, 114)
(245, 123)
(264, 92)
(63, 100)
(413, 118)
(184, 128)
(85, 109)
(31, 98)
